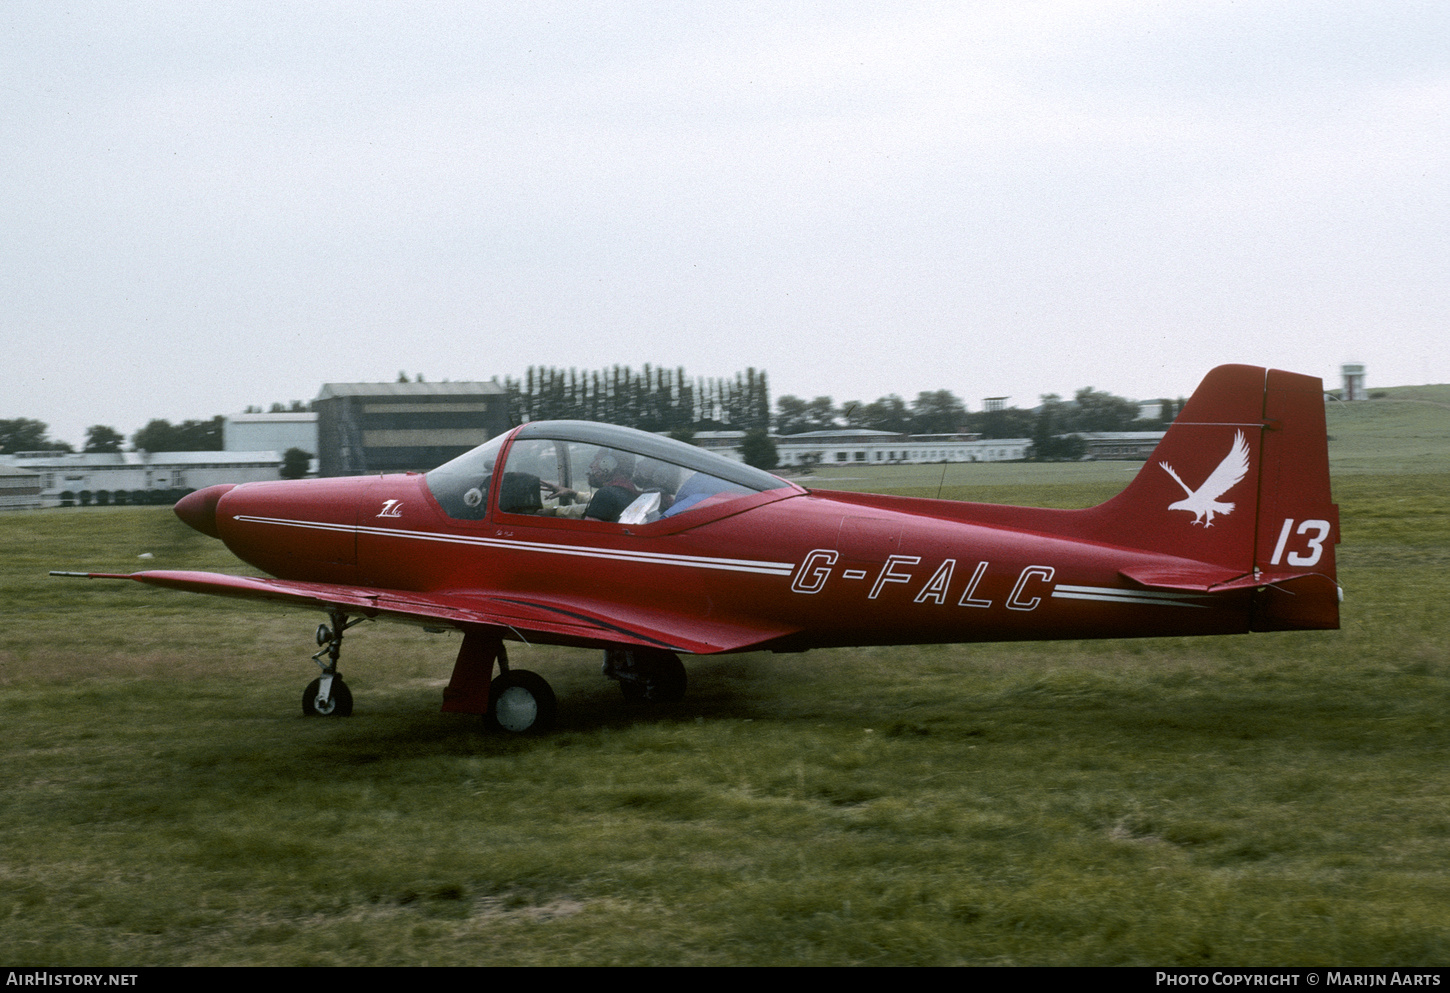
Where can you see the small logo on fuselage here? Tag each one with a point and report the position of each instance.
(392, 508)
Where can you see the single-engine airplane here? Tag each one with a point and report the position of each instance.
(583, 534)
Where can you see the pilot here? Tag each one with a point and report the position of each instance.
(611, 478)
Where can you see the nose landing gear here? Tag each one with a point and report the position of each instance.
(328, 695)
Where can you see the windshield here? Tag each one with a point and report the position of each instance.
(461, 486)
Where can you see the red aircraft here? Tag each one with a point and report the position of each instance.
(583, 534)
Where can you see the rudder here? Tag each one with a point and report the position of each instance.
(1298, 522)
(1239, 485)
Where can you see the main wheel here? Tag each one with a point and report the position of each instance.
(340, 704)
(657, 678)
(520, 702)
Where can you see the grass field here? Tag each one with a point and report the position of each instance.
(1262, 799)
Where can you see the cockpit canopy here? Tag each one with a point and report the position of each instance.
(589, 471)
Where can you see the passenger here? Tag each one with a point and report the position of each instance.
(654, 476)
(697, 489)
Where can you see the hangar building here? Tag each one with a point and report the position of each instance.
(270, 432)
(403, 427)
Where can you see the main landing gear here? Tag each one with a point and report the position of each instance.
(649, 674)
(516, 701)
(328, 695)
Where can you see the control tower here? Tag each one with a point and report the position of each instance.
(1353, 373)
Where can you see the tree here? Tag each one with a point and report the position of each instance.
(25, 435)
(1097, 411)
(295, 463)
(1004, 422)
(791, 416)
(886, 414)
(939, 412)
(1047, 444)
(758, 450)
(189, 436)
(822, 414)
(100, 438)
(157, 436)
(795, 415)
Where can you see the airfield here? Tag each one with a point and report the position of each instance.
(1263, 799)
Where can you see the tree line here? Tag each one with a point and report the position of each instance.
(660, 399)
(942, 412)
(652, 399)
(23, 434)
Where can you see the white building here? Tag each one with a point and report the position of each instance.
(19, 488)
(68, 479)
(1107, 446)
(869, 447)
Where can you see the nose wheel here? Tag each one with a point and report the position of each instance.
(332, 700)
(328, 695)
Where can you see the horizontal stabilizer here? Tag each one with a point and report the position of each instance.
(1201, 578)
(1198, 577)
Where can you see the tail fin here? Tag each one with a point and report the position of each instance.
(1239, 486)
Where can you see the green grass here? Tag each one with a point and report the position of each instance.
(1271, 799)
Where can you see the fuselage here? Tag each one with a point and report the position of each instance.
(662, 543)
(813, 569)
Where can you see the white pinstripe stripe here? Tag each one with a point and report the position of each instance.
(1108, 594)
(761, 567)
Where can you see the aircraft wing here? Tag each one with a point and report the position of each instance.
(546, 618)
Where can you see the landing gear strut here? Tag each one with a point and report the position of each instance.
(650, 674)
(328, 695)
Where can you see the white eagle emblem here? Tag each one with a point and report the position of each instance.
(1204, 502)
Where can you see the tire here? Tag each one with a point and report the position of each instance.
(339, 706)
(659, 678)
(520, 702)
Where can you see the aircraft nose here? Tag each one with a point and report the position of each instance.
(198, 509)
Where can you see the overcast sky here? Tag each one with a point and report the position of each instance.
(210, 205)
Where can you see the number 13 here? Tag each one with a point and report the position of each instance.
(1315, 544)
